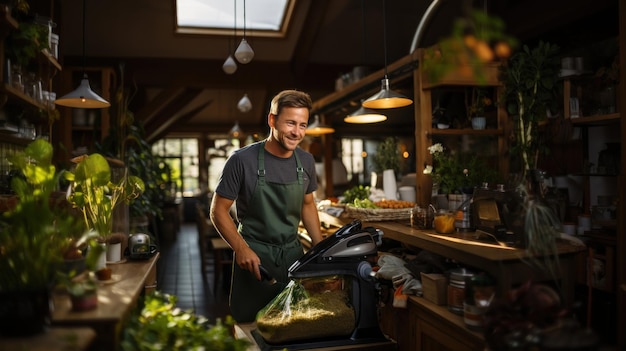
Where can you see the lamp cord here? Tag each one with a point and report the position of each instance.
(84, 42)
(385, 36)
(244, 19)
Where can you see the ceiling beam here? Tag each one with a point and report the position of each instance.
(172, 113)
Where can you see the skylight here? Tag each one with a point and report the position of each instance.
(262, 17)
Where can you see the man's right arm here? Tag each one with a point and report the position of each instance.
(225, 225)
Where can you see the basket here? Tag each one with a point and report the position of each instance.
(378, 214)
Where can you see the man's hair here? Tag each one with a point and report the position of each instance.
(290, 98)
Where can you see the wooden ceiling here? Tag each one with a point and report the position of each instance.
(178, 83)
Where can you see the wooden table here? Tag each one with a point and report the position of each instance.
(54, 339)
(116, 299)
(244, 331)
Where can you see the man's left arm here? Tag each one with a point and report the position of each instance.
(311, 219)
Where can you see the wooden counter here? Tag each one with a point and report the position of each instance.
(116, 299)
(427, 326)
(54, 339)
(509, 266)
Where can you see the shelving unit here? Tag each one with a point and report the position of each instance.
(38, 113)
(426, 135)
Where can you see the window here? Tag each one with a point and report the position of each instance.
(181, 155)
(263, 17)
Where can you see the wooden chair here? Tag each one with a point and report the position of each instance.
(211, 244)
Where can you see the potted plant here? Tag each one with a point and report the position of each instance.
(34, 237)
(127, 142)
(158, 324)
(96, 195)
(479, 103)
(387, 160)
(530, 88)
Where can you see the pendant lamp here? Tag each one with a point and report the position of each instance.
(83, 96)
(244, 105)
(317, 128)
(230, 66)
(244, 52)
(386, 98)
(364, 115)
(235, 131)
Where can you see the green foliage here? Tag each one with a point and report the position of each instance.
(387, 155)
(37, 232)
(96, 195)
(457, 172)
(530, 79)
(358, 192)
(23, 44)
(475, 39)
(127, 142)
(159, 325)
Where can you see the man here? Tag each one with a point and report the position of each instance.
(272, 182)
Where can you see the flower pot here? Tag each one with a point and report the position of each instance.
(390, 186)
(479, 123)
(114, 252)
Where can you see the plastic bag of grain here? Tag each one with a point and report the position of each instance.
(308, 309)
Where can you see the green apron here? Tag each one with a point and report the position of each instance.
(270, 229)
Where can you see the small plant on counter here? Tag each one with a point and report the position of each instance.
(159, 325)
(93, 192)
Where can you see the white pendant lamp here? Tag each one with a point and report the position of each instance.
(317, 128)
(229, 66)
(244, 105)
(244, 52)
(364, 116)
(386, 98)
(83, 96)
(235, 131)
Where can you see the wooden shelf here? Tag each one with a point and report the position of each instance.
(466, 131)
(596, 120)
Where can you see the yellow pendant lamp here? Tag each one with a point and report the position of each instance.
(386, 98)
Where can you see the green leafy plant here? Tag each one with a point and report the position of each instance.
(475, 39)
(159, 325)
(457, 172)
(387, 155)
(94, 193)
(36, 233)
(530, 80)
(23, 44)
(127, 142)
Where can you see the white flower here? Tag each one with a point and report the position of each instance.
(428, 169)
(436, 148)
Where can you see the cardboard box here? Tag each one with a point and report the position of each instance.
(434, 288)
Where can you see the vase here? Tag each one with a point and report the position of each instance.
(390, 186)
(479, 123)
(114, 252)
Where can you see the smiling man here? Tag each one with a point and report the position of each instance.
(272, 182)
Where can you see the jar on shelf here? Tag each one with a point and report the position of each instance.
(17, 80)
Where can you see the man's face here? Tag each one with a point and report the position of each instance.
(289, 128)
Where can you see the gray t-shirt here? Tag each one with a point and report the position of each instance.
(239, 176)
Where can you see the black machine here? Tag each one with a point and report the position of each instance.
(348, 253)
(498, 213)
